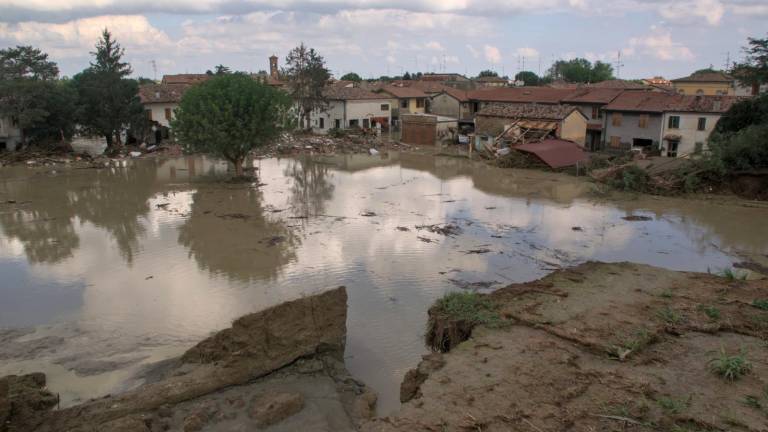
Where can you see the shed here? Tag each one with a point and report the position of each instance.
(555, 152)
(427, 129)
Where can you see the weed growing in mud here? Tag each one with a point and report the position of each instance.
(761, 304)
(632, 344)
(753, 402)
(712, 312)
(471, 307)
(670, 316)
(733, 275)
(672, 405)
(730, 367)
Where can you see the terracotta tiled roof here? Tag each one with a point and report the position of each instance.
(593, 95)
(706, 77)
(342, 90)
(659, 102)
(527, 111)
(443, 77)
(162, 93)
(185, 78)
(545, 95)
(404, 92)
(460, 95)
(491, 79)
(616, 84)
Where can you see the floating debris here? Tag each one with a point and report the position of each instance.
(402, 228)
(577, 228)
(426, 239)
(368, 214)
(443, 229)
(477, 251)
(634, 218)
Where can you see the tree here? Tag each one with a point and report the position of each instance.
(351, 77)
(229, 116)
(580, 70)
(487, 73)
(753, 71)
(307, 76)
(221, 70)
(26, 87)
(527, 77)
(749, 112)
(107, 100)
(407, 76)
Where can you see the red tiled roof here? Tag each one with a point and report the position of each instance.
(659, 102)
(593, 95)
(162, 93)
(527, 111)
(401, 92)
(545, 95)
(185, 78)
(616, 84)
(343, 90)
(706, 77)
(555, 152)
(460, 95)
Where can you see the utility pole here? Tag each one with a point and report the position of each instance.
(619, 65)
(727, 61)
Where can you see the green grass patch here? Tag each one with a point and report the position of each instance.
(670, 316)
(733, 275)
(632, 343)
(712, 312)
(730, 367)
(671, 405)
(761, 304)
(470, 307)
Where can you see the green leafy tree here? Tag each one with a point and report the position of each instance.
(407, 76)
(351, 77)
(581, 70)
(307, 76)
(107, 100)
(221, 70)
(59, 100)
(487, 73)
(230, 115)
(26, 74)
(528, 77)
(752, 111)
(753, 71)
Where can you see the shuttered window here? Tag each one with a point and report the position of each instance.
(643, 122)
(615, 142)
(616, 119)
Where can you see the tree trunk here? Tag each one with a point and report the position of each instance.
(238, 167)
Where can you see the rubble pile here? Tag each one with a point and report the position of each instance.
(292, 144)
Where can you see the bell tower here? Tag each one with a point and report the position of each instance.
(273, 66)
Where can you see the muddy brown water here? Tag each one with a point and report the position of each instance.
(105, 272)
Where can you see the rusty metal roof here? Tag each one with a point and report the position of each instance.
(555, 152)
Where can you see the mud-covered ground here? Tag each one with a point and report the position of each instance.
(603, 347)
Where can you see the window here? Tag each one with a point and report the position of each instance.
(385, 107)
(148, 114)
(337, 124)
(322, 123)
(674, 122)
(366, 123)
(699, 92)
(702, 123)
(354, 123)
(419, 103)
(595, 112)
(475, 106)
(167, 113)
(616, 119)
(615, 142)
(643, 122)
(404, 103)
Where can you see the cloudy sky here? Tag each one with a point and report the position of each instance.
(375, 37)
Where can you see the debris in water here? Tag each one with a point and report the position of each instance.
(473, 285)
(443, 229)
(477, 251)
(577, 228)
(273, 241)
(149, 277)
(401, 228)
(426, 239)
(373, 152)
(368, 214)
(490, 208)
(635, 218)
(163, 206)
(234, 216)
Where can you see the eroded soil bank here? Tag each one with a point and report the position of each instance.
(276, 370)
(602, 347)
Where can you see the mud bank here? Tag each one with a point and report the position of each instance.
(279, 369)
(602, 347)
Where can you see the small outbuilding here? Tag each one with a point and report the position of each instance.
(555, 152)
(427, 129)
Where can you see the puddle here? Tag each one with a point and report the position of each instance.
(107, 271)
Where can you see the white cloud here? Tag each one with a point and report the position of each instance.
(473, 51)
(435, 46)
(492, 54)
(686, 11)
(527, 52)
(659, 44)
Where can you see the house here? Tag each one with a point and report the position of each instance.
(10, 134)
(526, 122)
(689, 120)
(350, 106)
(187, 79)
(590, 101)
(451, 102)
(410, 100)
(160, 101)
(714, 83)
(443, 77)
(674, 124)
(492, 81)
(516, 95)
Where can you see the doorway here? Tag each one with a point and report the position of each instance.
(672, 148)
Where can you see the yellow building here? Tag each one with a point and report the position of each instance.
(706, 84)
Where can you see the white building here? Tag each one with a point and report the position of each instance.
(160, 101)
(10, 134)
(349, 107)
(688, 123)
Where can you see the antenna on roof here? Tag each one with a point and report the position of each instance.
(727, 61)
(619, 65)
(154, 68)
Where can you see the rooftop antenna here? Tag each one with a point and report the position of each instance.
(619, 65)
(539, 65)
(727, 61)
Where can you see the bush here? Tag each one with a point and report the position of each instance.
(746, 150)
(632, 178)
(746, 113)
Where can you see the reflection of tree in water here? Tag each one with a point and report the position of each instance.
(228, 233)
(311, 188)
(113, 200)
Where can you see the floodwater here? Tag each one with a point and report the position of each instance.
(105, 272)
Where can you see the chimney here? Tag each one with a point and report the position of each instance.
(273, 66)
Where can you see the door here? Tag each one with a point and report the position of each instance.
(672, 148)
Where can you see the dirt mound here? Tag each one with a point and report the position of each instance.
(604, 347)
(22, 400)
(255, 346)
